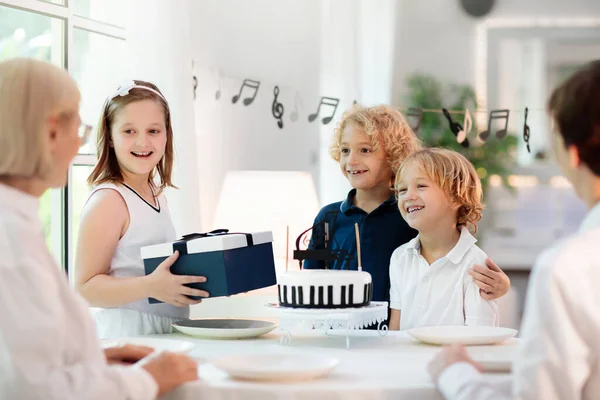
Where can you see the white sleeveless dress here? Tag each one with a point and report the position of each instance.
(148, 225)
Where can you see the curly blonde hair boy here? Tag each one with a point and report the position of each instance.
(385, 126)
(457, 177)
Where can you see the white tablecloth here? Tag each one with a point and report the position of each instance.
(391, 367)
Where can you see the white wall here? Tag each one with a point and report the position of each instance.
(263, 41)
(345, 48)
(315, 48)
(437, 37)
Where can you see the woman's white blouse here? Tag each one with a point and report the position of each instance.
(48, 344)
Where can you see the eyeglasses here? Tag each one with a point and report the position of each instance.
(84, 133)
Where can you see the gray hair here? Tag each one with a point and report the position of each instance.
(31, 91)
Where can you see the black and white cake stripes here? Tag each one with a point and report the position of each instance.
(325, 289)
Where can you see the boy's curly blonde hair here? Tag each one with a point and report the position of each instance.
(457, 177)
(386, 127)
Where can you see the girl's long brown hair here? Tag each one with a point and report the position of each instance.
(107, 168)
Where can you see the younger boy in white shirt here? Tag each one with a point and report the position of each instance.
(439, 194)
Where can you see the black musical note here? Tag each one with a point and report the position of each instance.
(252, 85)
(195, 85)
(467, 125)
(417, 115)
(294, 114)
(327, 101)
(526, 131)
(496, 114)
(455, 128)
(277, 108)
(218, 92)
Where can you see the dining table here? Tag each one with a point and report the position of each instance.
(393, 366)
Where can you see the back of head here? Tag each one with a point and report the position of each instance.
(385, 126)
(31, 91)
(575, 107)
(457, 177)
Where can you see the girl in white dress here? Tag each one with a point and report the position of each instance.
(48, 345)
(127, 210)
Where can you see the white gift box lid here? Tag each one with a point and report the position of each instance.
(208, 243)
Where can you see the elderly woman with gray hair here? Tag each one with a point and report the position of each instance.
(48, 345)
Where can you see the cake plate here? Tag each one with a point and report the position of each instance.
(331, 319)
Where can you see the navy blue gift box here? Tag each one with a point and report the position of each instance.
(231, 262)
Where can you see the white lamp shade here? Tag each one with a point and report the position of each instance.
(254, 201)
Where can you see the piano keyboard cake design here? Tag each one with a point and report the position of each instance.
(325, 289)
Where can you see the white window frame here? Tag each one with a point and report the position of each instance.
(61, 201)
(481, 46)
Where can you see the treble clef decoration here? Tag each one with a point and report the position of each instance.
(277, 108)
(526, 131)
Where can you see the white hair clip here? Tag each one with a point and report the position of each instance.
(123, 90)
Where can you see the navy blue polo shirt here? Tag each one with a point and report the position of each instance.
(381, 232)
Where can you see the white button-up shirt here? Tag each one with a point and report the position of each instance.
(48, 345)
(560, 350)
(442, 293)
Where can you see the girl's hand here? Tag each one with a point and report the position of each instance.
(169, 288)
(492, 281)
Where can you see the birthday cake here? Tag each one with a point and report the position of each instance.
(325, 289)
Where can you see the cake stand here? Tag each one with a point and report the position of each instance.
(331, 320)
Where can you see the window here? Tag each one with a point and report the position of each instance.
(30, 34)
(79, 194)
(108, 11)
(97, 66)
(88, 38)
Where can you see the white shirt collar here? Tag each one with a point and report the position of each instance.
(465, 241)
(23, 203)
(591, 220)
(463, 245)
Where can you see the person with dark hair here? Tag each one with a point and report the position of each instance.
(559, 356)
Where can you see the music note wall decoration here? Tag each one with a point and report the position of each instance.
(467, 125)
(415, 114)
(195, 80)
(297, 101)
(326, 101)
(526, 131)
(249, 83)
(277, 108)
(496, 115)
(218, 92)
(455, 128)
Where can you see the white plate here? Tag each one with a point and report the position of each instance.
(467, 335)
(224, 328)
(276, 367)
(158, 344)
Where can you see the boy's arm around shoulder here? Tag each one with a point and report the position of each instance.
(477, 311)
